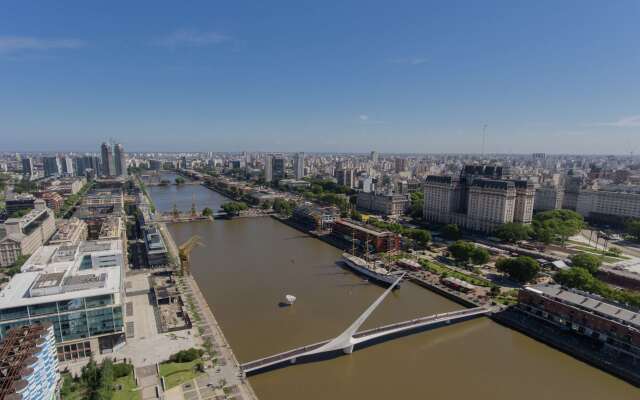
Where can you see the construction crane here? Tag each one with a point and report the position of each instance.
(175, 213)
(194, 213)
(184, 251)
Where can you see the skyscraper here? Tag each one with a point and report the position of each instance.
(298, 165)
(374, 156)
(268, 168)
(27, 166)
(88, 163)
(67, 165)
(52, 166)
(108, 167)
(278, 169)
(119, 160)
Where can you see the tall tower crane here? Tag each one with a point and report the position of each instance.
(184, 252)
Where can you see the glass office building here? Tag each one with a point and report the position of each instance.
(78, 289)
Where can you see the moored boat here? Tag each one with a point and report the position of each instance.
(371, 271)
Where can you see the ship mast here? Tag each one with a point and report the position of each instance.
(353, 242)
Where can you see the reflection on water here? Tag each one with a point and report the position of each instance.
(165, 197)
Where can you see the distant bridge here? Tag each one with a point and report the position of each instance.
(345, 342)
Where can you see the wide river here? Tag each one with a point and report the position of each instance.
(245, 268)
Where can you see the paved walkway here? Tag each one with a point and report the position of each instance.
(148, 382)
(227, 371)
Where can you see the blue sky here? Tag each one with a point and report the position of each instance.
(552, 76)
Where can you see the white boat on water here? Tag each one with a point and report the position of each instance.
(290, 299)
(370, 270)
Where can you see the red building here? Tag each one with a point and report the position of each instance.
(54, 200)
(585, 314)
(378, 240)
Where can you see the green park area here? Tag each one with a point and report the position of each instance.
(182, 367)
(104, 381)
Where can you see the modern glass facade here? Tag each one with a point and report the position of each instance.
(71, 319)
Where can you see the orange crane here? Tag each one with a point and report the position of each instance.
(184, 252)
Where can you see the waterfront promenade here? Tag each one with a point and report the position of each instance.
(227, 369)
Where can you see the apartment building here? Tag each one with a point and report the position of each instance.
(608, 206)
(548, 197)
(24, 235)
(388, 204)
(53, 200)
(70, 232)
(19, 202)
(480, 199)
(29, 364)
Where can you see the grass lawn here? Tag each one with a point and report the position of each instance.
(597, 252)
(128, 391)
(440, 269)
(75, 390)
(177, 373)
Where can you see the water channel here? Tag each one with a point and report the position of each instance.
(248, 265)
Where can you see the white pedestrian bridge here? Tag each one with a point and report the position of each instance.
(346, 342)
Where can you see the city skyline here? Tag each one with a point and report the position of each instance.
(420, 78)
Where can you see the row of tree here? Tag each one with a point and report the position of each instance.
(234, 207)
(421, 236)
(467, 252)
(96, 381)
(581, 276)
(521, 269)
(555, 226)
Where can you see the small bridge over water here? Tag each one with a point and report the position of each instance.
(346, 342)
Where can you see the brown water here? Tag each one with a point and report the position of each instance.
(248, 265)
(165, 197)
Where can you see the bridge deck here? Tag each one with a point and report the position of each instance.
(366, 335)
(287, 355)
(406, 325)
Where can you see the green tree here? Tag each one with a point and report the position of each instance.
(461, 250)
(544, 235)
(578, 278)
(421, 236)
(17, 265)
(282, 206)
(480, 256)
(180, 180)
(582, 279)
(451, 232)
(317, 189)
(632, 227)
(20, 213)
(105, 391)
(513, 232)
(207, 212)
(90, 376)
(417, 204)
(587, 261)
(556, 225)
(234, 207)
(355, 215)
(25, 186)
(522, 268)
